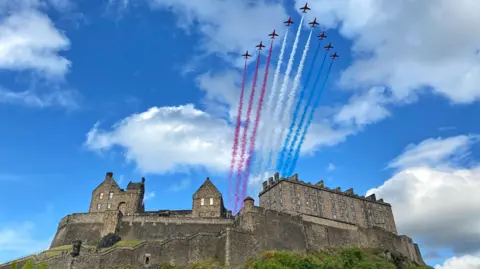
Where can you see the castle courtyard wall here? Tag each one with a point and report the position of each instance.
(254, 230)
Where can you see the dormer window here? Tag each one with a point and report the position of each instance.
(101, 195)
(110, 195)
(202, 201)
(211, 201)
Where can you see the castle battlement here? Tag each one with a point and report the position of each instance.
(272, 181)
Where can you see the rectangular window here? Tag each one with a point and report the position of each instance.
(101, 195)
(202, 201)
(99, 206)
(110, 195)
(211, 201)
(109, 205)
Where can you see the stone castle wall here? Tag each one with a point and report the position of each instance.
(231, 241)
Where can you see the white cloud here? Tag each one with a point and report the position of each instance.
(228, 26)
(165, 139)
(364, 109)
(149, 196)
(20, 240)
(331, 167)
(37, 99)
(432, 199)
(409, 45)
(30, 41)
(180, 186)
(464, 262)
(434, 151)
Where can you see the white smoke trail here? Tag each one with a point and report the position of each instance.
(266, 135)
(287, 113)
(275, 120)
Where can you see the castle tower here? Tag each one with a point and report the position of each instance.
(109, 196)
(208, 201)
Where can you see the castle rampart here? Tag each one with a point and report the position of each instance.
(182, 237)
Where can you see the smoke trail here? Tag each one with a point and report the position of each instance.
(297, 108)
(266, 136)
(310, 118)
(302, 117)
(241, 161)
(235, 136)
(279, 106)
(255, 128)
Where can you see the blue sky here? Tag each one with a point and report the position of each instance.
(150, 88)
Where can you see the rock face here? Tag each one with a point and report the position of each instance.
(183, 237)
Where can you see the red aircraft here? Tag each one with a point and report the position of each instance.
(305, 8)
(260, 46)
(289, 21)
(273, 35)
(322, 36)
(334, 56)
(329, 46)
(246, 55)
(313, 23)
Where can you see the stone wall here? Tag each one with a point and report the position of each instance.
(87, 227)
(291, 195)
(182, 241)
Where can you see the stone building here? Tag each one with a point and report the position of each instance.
(297, 197)
(109, 196)
(313, 216)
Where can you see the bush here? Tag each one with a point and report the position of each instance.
(109, 240)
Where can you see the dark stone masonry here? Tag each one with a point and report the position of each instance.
(293, 215)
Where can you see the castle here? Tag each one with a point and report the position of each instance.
(293, 215)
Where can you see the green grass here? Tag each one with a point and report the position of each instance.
(128, 243)
(348, 258)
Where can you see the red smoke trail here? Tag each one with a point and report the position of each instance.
(253, 136)
(244, 135)
(237, 132)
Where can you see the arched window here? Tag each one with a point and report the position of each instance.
(147, 260)
(122, 207)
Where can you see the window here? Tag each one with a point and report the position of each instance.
(110, 195)
(99, 206)
(109, 205)
(202, 201)
(147, 260)
(211, 201)
(101, 195)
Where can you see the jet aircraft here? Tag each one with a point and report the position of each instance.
(246, 55)
(305, 8)
(273, 35)
(334, 55)
(329, 46)
(260, 46)
(289, 21)
(313, 23)
(322, 36)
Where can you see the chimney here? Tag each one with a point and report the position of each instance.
(270, 181)
(320, 184)
(265, 185)
(277, 176)
(350, 191)
(109, 175)
(294, 177)
(338, 189)
(143, 180)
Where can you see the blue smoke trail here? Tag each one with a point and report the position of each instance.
(310, 118)
(302, 118)
(295, 112)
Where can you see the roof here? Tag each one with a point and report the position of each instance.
(108, 181)
(207, 189)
